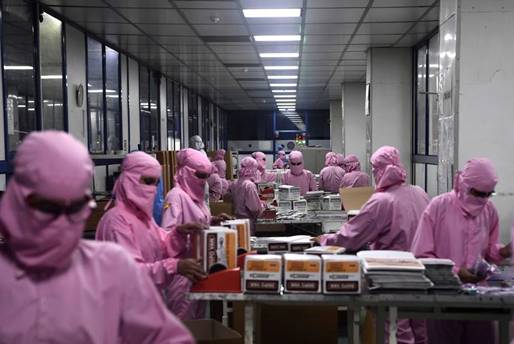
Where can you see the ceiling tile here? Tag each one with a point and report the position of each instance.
(320, 56)
(204, 16)
(166, 30)
(91, 3)
(271, 3)
(355, 55)
(112, 28)
(206, 4)
(425, 27)
(395, 14)
(336, 3)
(89, 14)
(140, 3)
(151, 16)
(221, 30)
(318, 39)
(323, 48)
(375, 39)
(406, 3)
(384, 28)
(275, 29)
(330, 29)
(347, 15)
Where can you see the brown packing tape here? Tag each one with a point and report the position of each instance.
(355, 198)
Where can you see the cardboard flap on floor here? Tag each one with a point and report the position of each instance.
(355, 198)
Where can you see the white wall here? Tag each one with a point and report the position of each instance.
(354, 120)
(76, 70)
(133, 94)
(125, 125)
(185, 112)
(163, 105)
(336, 126)
(486, 100)
(391, 103)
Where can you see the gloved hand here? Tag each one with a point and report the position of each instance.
(216, 220)
(466, 276)
(506, 251)
(189, 228)
(191, 269)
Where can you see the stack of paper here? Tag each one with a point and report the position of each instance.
(393, 271)
(325, 250)
(439, 271)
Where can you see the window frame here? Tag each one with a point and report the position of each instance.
(151, 74)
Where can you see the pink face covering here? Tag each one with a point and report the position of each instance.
(260, 157)
(296, 157)
(331, 159)
(249, 169)
(387, 168)
(54, 166)
(478, 174)
(190, 162)
(282, 155)
(130, 191)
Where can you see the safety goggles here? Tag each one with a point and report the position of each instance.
(49, 210)
(481, 194)
(202, 175)
(149, 180)
(295, 163)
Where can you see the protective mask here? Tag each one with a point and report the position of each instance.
(471, 204)
(296, 170)
(377, 175)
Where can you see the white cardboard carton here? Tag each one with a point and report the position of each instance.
(216, 248)
(263, 273)
(302, 273)
(300, 206)
(341, 274)
(331, 202)
(242, 226)
(285, 206)
(288, 193)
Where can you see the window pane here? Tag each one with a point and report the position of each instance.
(420, 100)
(178, 114)
(215, 127)
(18, 44)
(52, 90)
(193, 114)
(154, 113)
(95, 96)
(432, 180)
(433, 81)
(144, 107)
(206, 132)
(112, 100)
(170, 116)
(420, 176)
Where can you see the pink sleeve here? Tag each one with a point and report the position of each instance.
(215, 187)
(373, 219)
(423, 244)
(120, 232)
(321, 177)
(252, 201)
(493, 248)
(144, 317)
(175, 242)
(312, 183)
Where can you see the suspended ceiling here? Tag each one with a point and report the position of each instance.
(209, 45)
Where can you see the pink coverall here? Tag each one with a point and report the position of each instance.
(247, 204)
(221, 165)
(215, 185)
(185, 204)
(331, 175)
(354, 177)
(464, 228)
(264, 177)
(297, 176)
(55, 287)
(280, 163)
(388, 221)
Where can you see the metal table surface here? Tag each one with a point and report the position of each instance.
(386, 306)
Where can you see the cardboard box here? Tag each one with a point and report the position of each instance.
(208, 331)
(300, 206)
(216, 248)
(355, 198)
(331, 202)
(314, 204)
(284, 206)
(300, 245)
(288, 193)
(302, 273)
(221, 207)
(242, 226)
(266, 191)
(341, 274)
(263, 273)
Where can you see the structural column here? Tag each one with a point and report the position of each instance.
(354, 120)
(336, 126)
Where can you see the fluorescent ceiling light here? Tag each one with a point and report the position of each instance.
(18, 67)
(274, 55)
(289, 77)
(283, 91)
(51, 77)
(277, 38)
(285, 95)
(22, 106)
(284, 85)
(95, 91)
(52, 105)
(281, 67)
(285, 100)
(272, 13)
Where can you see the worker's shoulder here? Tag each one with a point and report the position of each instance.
(101, 252)
(443, 199)
(115, 215)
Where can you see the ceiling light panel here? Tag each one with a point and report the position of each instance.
(279, 55)
(284, 91)
(292, 84)
(277, 38)
(285, 96)
(284, 77)
(281, 67)
(272, 13)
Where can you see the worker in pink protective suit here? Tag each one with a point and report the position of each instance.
(340, 160)
(297, 176)
(130, 224)
(354, 177)
(219, 161)
(281, 161)
(185, 206)
(264, 177)
(247, 204)
(388, 221)
(463, 225)
(55, 287)
(215, 185)
(331, 175)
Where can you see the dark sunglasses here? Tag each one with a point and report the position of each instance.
(480, 194)
(296, 164)
(202, 175)
(149, 180)
(57, 208)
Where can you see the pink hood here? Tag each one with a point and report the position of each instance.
(189, 162)
(340, 160)
(55, 166)
(220, 155)
(387, 168)
(478, 174)
(351, 163)
(249, 169)
(296, 157)
(260, 157)
(129, 190)
(331, 159)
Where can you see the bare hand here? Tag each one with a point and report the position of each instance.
(191, 269)
(466, 276)
(316, 240)
(216, 220)
(189, 228)
(506, 251)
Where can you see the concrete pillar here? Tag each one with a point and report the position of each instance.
(390, 77)
(336, 126)
(481, 89)
(354, 120)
